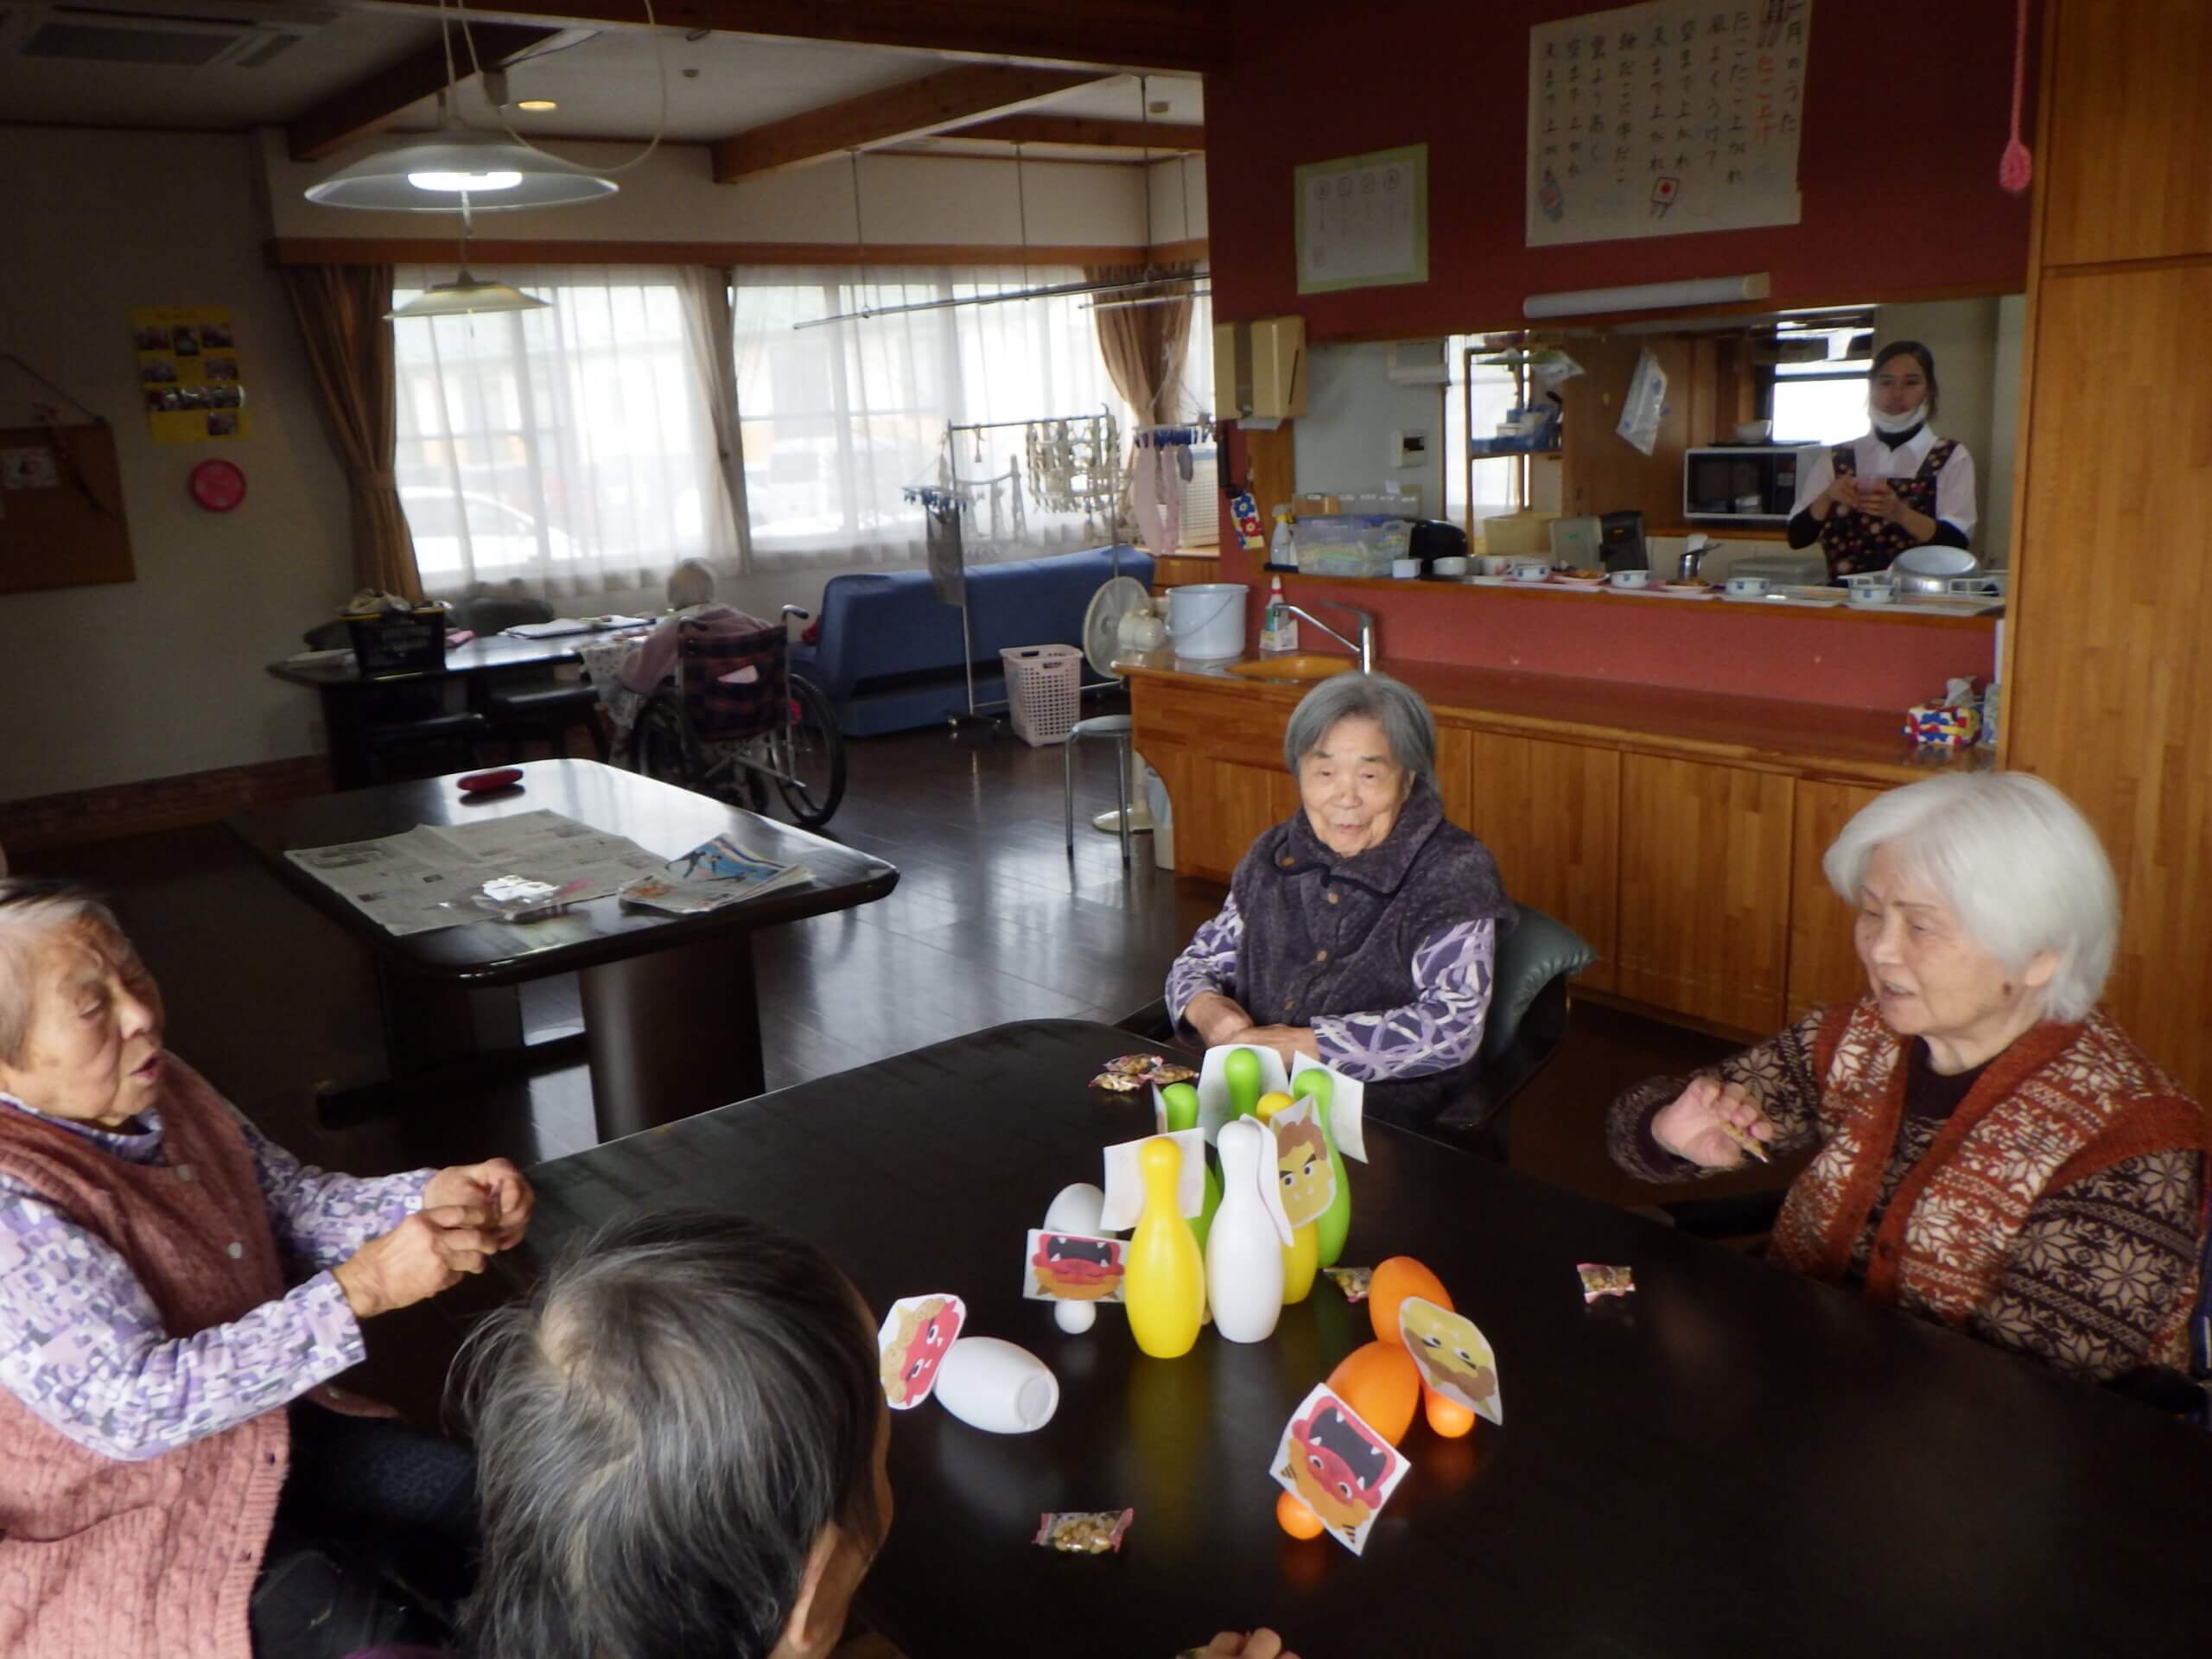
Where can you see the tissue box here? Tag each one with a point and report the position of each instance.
(1942, 725)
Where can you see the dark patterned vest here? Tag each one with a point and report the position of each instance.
(1329, 935)
(1857, 543)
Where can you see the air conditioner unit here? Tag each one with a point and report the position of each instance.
(168, 34)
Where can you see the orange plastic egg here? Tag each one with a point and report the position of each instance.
(1392, 1282)
(1445, 1415)
(1294, 1518)
(1380, 1381)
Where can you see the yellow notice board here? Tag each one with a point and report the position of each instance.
(189, 370)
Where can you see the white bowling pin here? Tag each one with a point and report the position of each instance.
(1244, 1250)
(997, 1386)
(1075, 1211)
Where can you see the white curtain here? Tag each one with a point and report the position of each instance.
(569, 452)
(836, 421)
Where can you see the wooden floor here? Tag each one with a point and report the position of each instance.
(992, 921)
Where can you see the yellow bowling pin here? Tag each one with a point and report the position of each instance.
(1301, 1260)
(1164, 1287)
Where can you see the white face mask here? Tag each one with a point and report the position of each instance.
(1903, 422)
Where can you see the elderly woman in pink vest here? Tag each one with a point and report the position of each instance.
(1362, 930)
(175, 1296)
(1989, 1151)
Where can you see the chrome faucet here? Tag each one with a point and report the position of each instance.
(1365, 643)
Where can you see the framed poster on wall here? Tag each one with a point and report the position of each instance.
(1363, 221)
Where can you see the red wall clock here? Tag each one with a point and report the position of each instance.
(218, 486)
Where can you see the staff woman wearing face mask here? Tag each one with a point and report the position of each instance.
(1898, 486)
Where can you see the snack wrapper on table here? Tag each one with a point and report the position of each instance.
(1599, 1279)
(1353, 1282)
(1083, 1532)
(1952, 722)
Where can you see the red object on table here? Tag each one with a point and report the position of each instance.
(217, 485)
(478, 782)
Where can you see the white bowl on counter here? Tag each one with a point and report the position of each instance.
(1631, 578)
(1530, 570)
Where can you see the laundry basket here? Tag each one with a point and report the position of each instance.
(1044, 691)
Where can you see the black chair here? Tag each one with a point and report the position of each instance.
(529, 704)
(402, 717)
(1526, 1025)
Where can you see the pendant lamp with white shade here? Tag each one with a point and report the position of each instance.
(430, 176)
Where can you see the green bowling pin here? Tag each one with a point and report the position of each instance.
(1240, 1070)
(1182, 1103)
(1335, 1222)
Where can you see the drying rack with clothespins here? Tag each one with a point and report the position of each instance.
(1087, 438)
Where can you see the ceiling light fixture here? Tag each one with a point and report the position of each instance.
(537, 106)
(467, 295)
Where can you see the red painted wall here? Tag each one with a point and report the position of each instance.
(1906, 107)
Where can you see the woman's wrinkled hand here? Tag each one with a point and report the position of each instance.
(496, 1186)
(1217, 1019)
(1262, 1644)
(1692, 1126)
(427, 1253)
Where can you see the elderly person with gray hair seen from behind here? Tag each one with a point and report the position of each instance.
(685, 1451)
(1362, 930)
(176, 1293)
(1991, 1152)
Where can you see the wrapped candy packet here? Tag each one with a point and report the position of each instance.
(1744, 1139)
(1352, 1281)
(1122, 1082)
(1083, 1532)
(1599, 1279)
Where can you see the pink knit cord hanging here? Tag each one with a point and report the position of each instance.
(2016, 167)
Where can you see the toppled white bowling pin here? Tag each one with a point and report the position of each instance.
(997, 1386)
(1244, 1281)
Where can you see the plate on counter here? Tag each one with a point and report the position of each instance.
(1674, 590)
(1577, 579)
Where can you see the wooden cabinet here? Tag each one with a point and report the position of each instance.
(1705, 889)
(1550, 814)
(2127, 131)
(1823, 955)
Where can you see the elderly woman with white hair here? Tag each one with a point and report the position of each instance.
(171, 1283)
(1361, 931)
(1991, 1152)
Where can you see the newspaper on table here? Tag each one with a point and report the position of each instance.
(434, 876)
(714, 873)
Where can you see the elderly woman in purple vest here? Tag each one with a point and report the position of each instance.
(176, 1295)
(1362, 930)
(1989, 1152)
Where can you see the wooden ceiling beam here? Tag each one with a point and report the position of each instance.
(1085, 132)
(362, 109)
(1179, 36)
(912, 108)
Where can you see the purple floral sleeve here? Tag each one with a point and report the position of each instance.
(82, 1344)
(1440, 1029)
(1209, 962)
(320, 1218)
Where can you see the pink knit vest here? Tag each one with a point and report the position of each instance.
(102, 1558)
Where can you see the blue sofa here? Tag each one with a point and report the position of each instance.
(888, 655)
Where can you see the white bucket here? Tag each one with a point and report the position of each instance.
(1206, 620)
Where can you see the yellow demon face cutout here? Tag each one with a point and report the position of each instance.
(1302, 1165)
(1455, 1358)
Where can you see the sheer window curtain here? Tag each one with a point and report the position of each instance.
(836, 421)
(570, 451)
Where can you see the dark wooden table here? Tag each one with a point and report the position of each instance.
(1731, 1461)
(671, 1021)
(342, 686)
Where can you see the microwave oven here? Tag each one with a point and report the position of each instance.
(1745, 484)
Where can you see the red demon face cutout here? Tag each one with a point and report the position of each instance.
(913, 1344)
(1076, 1269)
(1340, 1467)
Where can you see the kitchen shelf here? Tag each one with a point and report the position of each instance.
(1905, 613)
